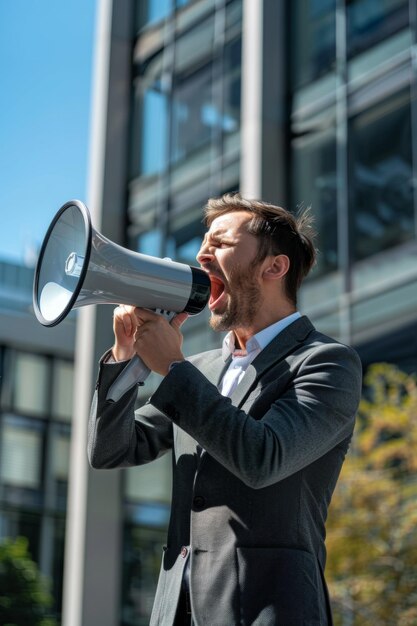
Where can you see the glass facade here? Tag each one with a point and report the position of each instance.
(381, 175)
(35, 413)
(353, 159)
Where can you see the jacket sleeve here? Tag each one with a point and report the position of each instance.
(118, 438)
(312, 415)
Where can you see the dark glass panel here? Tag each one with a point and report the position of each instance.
(62, 389)
(58, 561)
(151, 11)
(21, 455)
(371, 21)
(141, 562)
(232, 86)
(151, 113)
(15, 524)
(314, 184)
(193, 114)
(313, 39)
(185, 241)
(381, 177)
(26, 377)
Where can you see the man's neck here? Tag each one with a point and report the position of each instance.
(242, 335)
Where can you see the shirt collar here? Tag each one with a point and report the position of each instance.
(261, 339)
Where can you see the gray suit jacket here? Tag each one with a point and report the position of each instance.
(252, 506)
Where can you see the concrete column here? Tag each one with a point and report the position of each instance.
(93, 553)
(264, 115)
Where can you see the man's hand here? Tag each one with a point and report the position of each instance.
(156, 341)
(125, 323)
(143, 332)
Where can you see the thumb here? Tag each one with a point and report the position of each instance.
(179, 320)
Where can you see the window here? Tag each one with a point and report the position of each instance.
(19, 524)
(141, 564)
(150, 482)
(371, 21)
(25, 385)
(314, 183)
(150, 130)
(151, 11)
(381, 177)
(21, 454)
(186, 237)
(313, 39)
(62, 390)
(232, 87)
(193, 114)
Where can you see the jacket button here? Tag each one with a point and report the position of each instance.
(199, 502)
(184, 552)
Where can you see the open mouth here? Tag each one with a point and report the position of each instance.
(217, 292)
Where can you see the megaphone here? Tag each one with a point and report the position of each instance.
(78, 266)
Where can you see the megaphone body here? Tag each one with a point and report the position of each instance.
(78, 266)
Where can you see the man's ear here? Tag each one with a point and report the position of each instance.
(276, 267)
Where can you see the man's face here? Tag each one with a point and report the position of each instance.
(228, 253)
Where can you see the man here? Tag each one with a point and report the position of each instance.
(259, 429)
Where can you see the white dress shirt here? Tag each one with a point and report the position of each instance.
(242, 358)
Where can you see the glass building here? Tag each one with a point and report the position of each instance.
(301, 103)
(36, 388)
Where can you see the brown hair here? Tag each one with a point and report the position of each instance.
(278, 231)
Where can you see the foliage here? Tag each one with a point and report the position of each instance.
(372, 526)
(24, 598)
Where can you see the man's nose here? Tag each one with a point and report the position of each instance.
(204, 255)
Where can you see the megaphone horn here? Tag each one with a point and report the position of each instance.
(78, 266)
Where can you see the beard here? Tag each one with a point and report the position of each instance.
(244, 301)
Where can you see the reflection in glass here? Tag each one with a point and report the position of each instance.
(232, 86)
(150, 482)
(29, 378)
(154, 130)
(371, 21)
(21, 456)
(19, 524)
(193, 114)
(141, 562)
(313, 39)
(62, 390)
(60, 456)
(151, 11)
(150, 242)
(381, 198)
(314, 184)
(194, 47)
(185, 240)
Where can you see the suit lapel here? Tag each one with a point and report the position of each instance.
(275, 351)
(212, 365)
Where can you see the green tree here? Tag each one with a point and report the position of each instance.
(24, 596)
(372, 526)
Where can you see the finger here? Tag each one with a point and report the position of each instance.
(146, 315)
(179, 320)
(124, 317)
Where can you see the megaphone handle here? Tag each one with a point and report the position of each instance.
(134, 373)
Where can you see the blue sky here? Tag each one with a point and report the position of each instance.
(46, 49)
